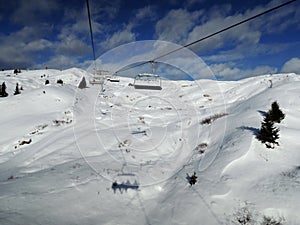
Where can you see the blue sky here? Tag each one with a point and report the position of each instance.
(39, 33)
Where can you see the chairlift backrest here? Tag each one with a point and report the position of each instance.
(113, 79)
(147, 81)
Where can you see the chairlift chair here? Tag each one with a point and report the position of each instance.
(113, 78)
(98, 77)
(95, 80)
(147, 81)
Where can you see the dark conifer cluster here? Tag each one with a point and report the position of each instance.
(268, 133)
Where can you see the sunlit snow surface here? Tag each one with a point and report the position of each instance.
(148, 142)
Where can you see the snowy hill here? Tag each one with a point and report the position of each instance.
(76, 156)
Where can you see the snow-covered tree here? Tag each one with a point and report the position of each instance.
(17, 91)
(268, 133)
(16, 71)
(3, 90)
(60, 81)
(276, 114)
(82, 83)
(192, 179)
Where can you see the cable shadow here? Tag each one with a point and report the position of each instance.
(143, 209)
(205, 203)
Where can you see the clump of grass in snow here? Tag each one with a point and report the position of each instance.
(212, 118)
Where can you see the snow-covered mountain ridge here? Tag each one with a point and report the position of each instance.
(61, 149)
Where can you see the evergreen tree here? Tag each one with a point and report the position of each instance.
(193, 179)
(82, 83)
(60, 81)
(276, 114)
(16, 71)
(17, 91)
(3, 90)
(268, 133)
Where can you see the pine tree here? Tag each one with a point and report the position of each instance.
(276, 114)
(268, 133)
(60, 81)
(17, 91)
(3, 90)
(82, 83)
(193, 179)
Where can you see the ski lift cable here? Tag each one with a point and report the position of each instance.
(225, 29)
(211, 35)
(91, 30)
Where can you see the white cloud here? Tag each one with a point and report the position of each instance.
(192, 2)
(148, 12)
(118, 38)
(18, 49)
(71, 45)
(32, 11)
(183, 27)
(279, 20)
(229, 71)
(65, 62)
(242, 51)
(244, 34)
(61, 62)
(292, 66)
(182, 63)
(11, 58)
(105, 9)
(76, 22)
(38, 45)
(176, 25)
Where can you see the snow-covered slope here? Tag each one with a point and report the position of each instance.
(62, 148)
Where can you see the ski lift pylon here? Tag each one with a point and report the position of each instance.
(148, 81)
(99, 78)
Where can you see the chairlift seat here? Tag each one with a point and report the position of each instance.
(113, 79)
(147, 81)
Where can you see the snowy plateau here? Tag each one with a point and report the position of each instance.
(124, 157)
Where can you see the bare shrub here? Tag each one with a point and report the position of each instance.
(201, 148)
(244, 215)
(212, 118)
(272, 221)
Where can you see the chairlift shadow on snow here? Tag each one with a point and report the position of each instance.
(139, 132)
(124, 186)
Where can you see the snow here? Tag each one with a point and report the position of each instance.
(61, 149)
